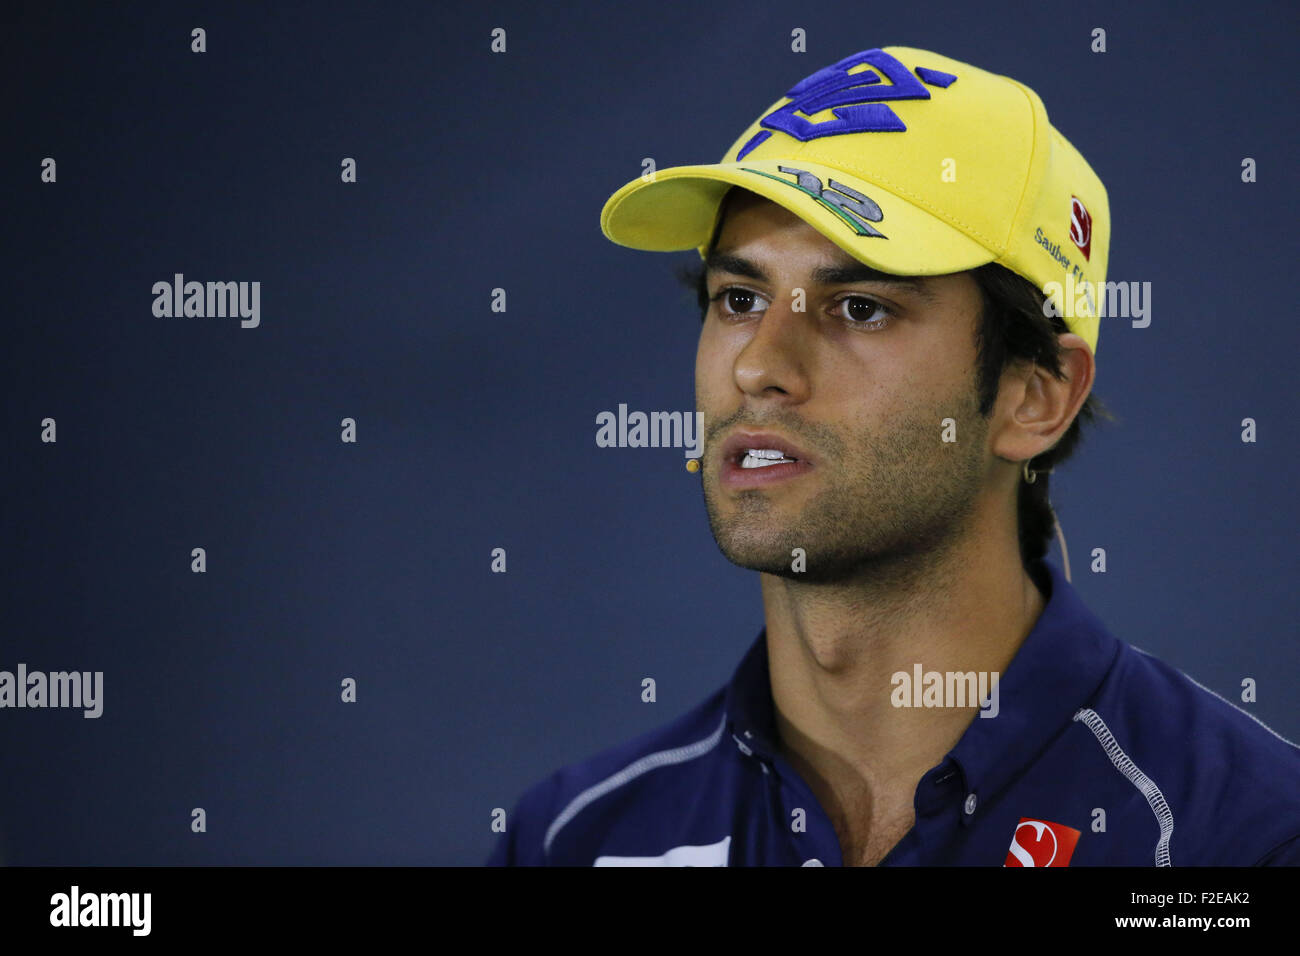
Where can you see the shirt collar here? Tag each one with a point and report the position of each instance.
(751, 714)
(1057, 669)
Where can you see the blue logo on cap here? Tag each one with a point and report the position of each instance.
(855, 98)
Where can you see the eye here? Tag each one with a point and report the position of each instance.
(739, 301)
(863, 311)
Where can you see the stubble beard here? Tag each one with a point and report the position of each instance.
(890, 504)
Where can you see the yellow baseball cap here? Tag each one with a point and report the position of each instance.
(911, 162)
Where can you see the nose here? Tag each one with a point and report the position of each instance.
(774, 362)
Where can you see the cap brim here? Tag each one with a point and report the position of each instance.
(676, 209)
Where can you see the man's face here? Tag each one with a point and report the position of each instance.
(856, 386)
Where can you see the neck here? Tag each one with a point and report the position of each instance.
(833, 650)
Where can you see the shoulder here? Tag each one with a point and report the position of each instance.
(1225, 784)
(567, 801)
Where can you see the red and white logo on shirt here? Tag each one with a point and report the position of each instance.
(1081, 226)
(1041, 843)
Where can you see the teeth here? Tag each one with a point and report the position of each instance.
(763, 458)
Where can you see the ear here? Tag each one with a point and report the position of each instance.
(1034, 408)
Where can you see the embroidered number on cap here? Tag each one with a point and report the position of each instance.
(850, 205)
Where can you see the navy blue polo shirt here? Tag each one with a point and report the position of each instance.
(1099, 755)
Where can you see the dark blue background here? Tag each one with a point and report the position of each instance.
(476, 429)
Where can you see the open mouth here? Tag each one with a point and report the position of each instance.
(763, 458)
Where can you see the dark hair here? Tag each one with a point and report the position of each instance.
(1011, 327)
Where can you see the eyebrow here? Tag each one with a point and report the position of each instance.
(822, 275)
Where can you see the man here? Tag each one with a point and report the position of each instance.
(897, 346)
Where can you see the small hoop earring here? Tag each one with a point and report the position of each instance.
(1030, 476)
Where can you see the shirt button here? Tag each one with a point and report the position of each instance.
(970, 804)
(813, 862)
